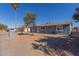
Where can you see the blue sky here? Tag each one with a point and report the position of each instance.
(45, 13)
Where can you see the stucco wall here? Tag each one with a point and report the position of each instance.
(52, 29)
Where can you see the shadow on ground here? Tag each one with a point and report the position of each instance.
(58, 46)
(31, 34)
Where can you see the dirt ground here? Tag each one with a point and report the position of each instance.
(20, 45)
(37, 44)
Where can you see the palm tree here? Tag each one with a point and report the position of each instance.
(29, 20)
(76, 15)
(15, 6)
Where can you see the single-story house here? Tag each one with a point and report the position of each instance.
(53, 28)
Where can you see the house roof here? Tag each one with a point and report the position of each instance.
(55, 24)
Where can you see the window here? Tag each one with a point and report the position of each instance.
(59, 27)
(42, 27)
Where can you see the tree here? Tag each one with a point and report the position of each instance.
(76, 15)
(3, 27)
(29, 20)
(15, 6)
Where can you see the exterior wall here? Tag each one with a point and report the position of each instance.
(53, 29)
(34, 29)
(66, 30)
(47, 29)
(50, 29)
(27, 30)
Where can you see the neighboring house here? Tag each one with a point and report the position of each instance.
(53, 28)
(17, 29)
(22, 29)
(26, 30)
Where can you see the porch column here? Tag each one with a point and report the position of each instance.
(38, 29)
(56, 28)
(70, 29)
